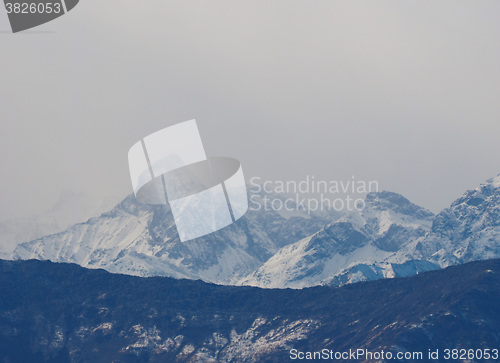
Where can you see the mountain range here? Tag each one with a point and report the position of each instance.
(139, 239)
(390, 237)
(55, 312)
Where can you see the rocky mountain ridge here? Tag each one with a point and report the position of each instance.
(390, 237)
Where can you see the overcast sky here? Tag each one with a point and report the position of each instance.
(406, 93)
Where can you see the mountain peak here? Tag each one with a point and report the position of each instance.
(140, 239)
(384, 200)
(487, 193)
(495, 182)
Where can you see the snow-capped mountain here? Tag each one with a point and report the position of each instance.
(71, 207)
(359, 246)
(138, 239)
(467, 231)
(390, 237)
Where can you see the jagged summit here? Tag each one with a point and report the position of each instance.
(139, 239)
(385, 200)
(469, 229)
(390, 237)
(387, 224)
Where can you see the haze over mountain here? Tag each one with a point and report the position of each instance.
(139, 239)
(348, 250)
(71, 208)
(391, 237)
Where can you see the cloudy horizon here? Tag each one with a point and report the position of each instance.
(402, 93)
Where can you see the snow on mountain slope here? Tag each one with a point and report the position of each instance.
(142, 240)
(391, 237)
(467, 231)
(71, 208)
(357, 247)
